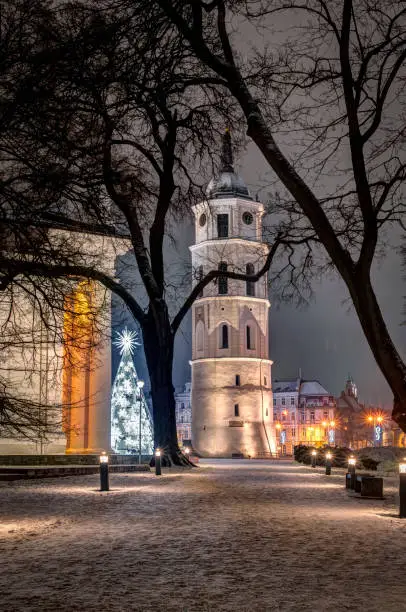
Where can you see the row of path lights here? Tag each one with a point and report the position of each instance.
(328, 456)
(104, 469)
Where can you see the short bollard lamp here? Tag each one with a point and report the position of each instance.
(187, 451)
(329, 457)
(104, 472)
(314, 455)
(158, 471)
(402, 489)
(351, 470)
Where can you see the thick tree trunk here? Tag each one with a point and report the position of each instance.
(383, 349)
(158, 345)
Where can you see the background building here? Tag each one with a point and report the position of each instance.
(303, 413)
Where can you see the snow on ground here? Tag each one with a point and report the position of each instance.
(231, 535)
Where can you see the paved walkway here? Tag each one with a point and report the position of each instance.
(231, 535)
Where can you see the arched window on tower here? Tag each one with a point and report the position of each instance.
(224, 336)
(223, 280)
(200, 336)
(249, 337)
(250, 285)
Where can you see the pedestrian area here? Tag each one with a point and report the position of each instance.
(230, 535)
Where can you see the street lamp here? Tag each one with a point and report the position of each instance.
(402, 489)
(140, 385)
(351, 470)
(104, 471)
(158, 462)
(314, 455)
(329, 456)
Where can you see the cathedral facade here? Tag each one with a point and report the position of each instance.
(231, 370)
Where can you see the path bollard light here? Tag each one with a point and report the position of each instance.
(158, 462)
(351, 470)
(104, 472)
(402, 489)
(187, 451)
(314, 455)
(329, 456)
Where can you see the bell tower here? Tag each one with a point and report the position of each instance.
(232, 407)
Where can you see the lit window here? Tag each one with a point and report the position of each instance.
(250, 285)
(223, 280)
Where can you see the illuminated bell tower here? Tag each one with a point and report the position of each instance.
(232, 407)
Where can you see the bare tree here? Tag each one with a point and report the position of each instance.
(336, 79)
(120, 133)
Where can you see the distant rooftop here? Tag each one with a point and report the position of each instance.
(305, 387)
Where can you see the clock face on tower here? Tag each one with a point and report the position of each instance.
(202, 220)
(247, 218)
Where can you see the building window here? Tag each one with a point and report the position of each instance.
(237, 380)
(274, 401)
(325, 415)
(312, 416)
(224, 336)
(275, 416)
(222, 226)
(293, 416)
(264, 381)
(236, 410)
(283, 401)
(293, 432)
(250, 285)
(223, 280)
(292, 401)
(250, 344)
(266, 412)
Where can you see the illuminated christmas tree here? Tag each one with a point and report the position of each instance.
(131, 423)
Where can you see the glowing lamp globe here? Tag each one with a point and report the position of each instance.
(157, 452)
(329, 456)
(402, 468)
(187, 450)
(352, 461)
(104, 458)
(314, 453)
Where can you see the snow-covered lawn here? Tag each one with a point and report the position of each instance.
(230, 535)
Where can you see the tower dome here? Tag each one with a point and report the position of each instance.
(227, 183)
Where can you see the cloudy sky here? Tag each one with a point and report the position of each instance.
(324, 339)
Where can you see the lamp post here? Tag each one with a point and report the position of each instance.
(329, 456)
(314, 455)
(104, 472)
(140, 385)
(402, 489)
(158, 462)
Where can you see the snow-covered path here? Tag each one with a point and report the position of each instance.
(231, 535)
